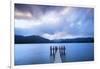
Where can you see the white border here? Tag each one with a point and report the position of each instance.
(48, 2)
(12, 34)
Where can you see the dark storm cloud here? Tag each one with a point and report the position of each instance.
(35, 11)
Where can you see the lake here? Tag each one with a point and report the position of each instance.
(26, 54)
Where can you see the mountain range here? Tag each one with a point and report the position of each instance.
(38, 39)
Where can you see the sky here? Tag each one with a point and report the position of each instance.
(54, 22)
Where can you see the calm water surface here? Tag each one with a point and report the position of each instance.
(40, 53)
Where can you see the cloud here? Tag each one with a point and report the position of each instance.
(53, 22)
(24, 15)
(53, 18)
(56, 35)
(26, 24)
(60, 35)
(35, 11)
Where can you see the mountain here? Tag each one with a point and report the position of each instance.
(30, 39)
(75, 40)
(38, 39)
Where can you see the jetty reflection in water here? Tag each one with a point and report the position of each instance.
(52, 53)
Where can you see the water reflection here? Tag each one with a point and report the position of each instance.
(45, 53)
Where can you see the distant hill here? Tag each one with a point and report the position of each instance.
(37, 39)
(30, 39)
(75, 40)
